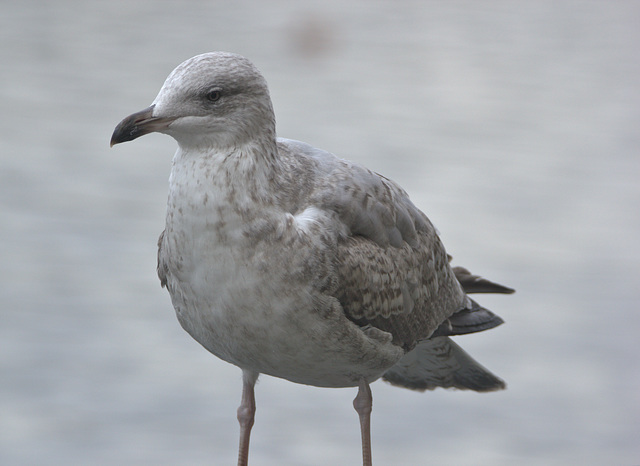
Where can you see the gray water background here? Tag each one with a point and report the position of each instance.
(514, 125)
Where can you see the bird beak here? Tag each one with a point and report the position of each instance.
(139, 124)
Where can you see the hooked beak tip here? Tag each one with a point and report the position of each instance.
(138, 124)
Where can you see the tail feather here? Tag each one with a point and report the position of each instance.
(476, 284)
(439, 362)
(473, 318)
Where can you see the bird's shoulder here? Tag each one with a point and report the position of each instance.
(366, 203)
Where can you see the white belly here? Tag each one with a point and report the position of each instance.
(246, 281)
(256, 307)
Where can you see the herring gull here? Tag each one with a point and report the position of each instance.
(286, 260)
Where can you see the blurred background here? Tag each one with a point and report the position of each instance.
(513, 125)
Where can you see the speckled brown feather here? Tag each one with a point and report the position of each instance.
(391, 269)
(405, 291)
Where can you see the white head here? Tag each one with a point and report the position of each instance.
(214, 100)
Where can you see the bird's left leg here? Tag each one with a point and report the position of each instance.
(363, 404)
(246, 413)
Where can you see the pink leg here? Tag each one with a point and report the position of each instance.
(363, 404)
(246, 413)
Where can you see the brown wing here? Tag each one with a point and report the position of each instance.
(392, 270)
(406, 291)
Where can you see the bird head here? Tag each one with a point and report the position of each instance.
(215, 100)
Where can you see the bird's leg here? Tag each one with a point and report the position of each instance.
(363, 404)
(246, 412)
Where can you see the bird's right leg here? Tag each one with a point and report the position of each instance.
(363, 404)
(246, 413)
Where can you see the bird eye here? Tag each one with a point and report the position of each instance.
(213, 95)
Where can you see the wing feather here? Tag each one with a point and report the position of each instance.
(392, 269)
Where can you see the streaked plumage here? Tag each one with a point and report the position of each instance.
(285, 260)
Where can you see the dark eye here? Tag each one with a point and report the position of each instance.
(214, 95)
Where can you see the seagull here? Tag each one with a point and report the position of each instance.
(285, 260)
